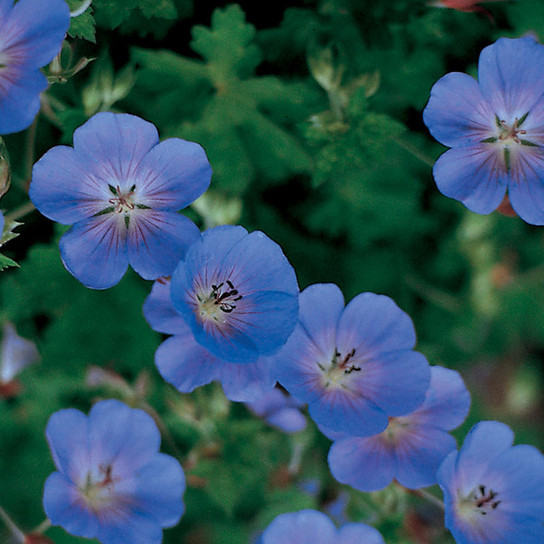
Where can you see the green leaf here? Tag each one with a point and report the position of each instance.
(82, 26)
(6, 262)
(227, 46)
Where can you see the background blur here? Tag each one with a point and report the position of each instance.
(310, 113)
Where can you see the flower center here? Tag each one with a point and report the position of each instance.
(221, 300)
(481, 500)
(98, 490)
(511, 133)
(122, 202)
(340, 366)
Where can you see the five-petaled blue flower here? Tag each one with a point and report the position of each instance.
(412, 447)
(494, 127)
(354, 366)
(238, 294)
(493, 491)
(31, 35)
(313, 527)
(111, 483)
(184, 363)
(121, 189)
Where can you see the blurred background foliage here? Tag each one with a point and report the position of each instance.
(310, 113)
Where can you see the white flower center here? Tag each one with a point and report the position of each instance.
(219, 301)
(98, 490)
(479, 502)
(334, 373)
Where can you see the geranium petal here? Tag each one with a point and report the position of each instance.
(395, 381)
(64, 189)
(94, 251)
(526, 187)
(136, 528)
(33, 32)
(245, 382)
(117, 143)
(372, 324)
(302, 527)
(157, 240)
(366, 464)
(159, 311)
(358, 533)
(457, 114)
(173, 174)
(185, 364)
(123, 437)
(511, 76)
(420, 451)
(473, 175)
(19, 98)
(447, 401)
(159, 490)
(63, 506)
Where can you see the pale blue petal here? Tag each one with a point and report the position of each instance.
(66, 434)
(34, 32)
(457, 114)
(358, 533)
(373, 324)
(94, 251)
(117, 143)
(159, 311)
(511, 76)
(245, 382)
(474, 175)
(159, 491)
(125, 438)
(63, 505)
(173, 174)
(184, 363)
(302, 527)
(19, 97)
(157, 240)
(366, 464)
(16, 353)
(64, 189)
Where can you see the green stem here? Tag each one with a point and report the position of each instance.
(415, 151)
(13, 529)
(29, 148)
(42, 527)
(21, 211)
(429, 497)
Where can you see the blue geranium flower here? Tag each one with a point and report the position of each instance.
(494, 127)
(121, 189)
(313, 527)
(186, 364)
(237, 293)
(412, 447)
(493, 491)
(31, 35)
(280, 410)
(354, 366)
(111, 483)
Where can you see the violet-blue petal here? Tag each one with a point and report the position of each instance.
(321, 306)
(245, 382)
(511, 75)
(157, 240)
(159, 311)
(118, 433)
(363, 463)
(419, 454)
(348, 412)
(358, 533)
(66, 434)
(16, 352)
(372, 324)
(447, 401)
(34, 31)
(289, 420)
(302, 527)
(94, 251)
(64, 187)
(184, 363)
(526, 189)
(19, 97)
(137, 528)
(473, 175)
(63, 506)
(457, 114)
(116, 143)
(173, 174)
(161, 484)
(396, 381)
